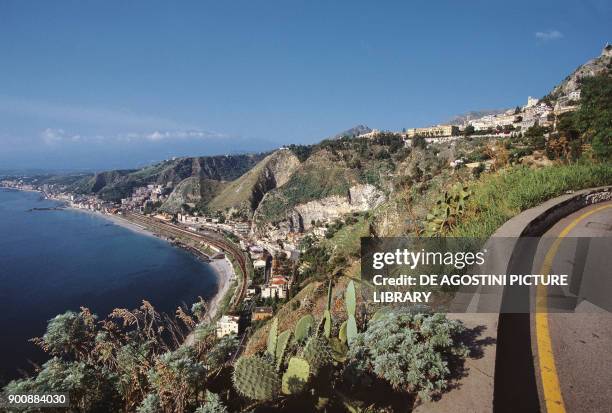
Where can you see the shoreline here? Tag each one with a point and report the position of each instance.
(222, 268)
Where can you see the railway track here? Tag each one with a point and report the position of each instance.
(165, 228)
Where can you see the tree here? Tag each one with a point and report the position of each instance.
(469, 130)
(594, 118)
(69, 334)
(419, 141)
(535, 136)
(175, 377)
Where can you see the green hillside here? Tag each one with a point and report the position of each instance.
(246, 192)
(331, 168)
(117, 184)
(192, 190)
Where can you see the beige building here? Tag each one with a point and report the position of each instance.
(262, 313)
(433, 131)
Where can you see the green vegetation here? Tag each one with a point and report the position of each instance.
(396, 354)
(332, 167)
(447, 211)
(192, 190)
(313, 181)
(411, 351)
(246, 192)
(133, 360)
(594, 118)
(114, 185)
(496, 198)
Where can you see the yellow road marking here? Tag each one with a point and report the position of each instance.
(548, 370)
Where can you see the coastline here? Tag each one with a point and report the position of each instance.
(222, 268)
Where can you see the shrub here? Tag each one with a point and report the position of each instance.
(411, 351)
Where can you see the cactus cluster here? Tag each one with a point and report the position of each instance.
(327, 324)
(254, 377)
(449, 207)
(262, 378)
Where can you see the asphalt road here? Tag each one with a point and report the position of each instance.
(572, 352)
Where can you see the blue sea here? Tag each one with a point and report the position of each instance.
(57, 260)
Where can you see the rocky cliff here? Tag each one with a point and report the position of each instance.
(594, 67)
(302, 217)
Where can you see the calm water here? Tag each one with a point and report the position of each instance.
(52, 261)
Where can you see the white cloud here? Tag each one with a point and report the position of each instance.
(51, 136)
(166, 135)
(187, 134)
(549, 35)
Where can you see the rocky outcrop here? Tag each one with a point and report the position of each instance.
(301, 218)
(599, 65)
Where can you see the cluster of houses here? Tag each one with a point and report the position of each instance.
(512, 120)
(276, 284)
(145, 196)
(16, 184)
(199, 221)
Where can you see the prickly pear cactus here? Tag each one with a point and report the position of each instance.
(255, 378)
(449, 207)
(351, 329)
(272, 338)
(327, 324)
(317, 352)
(296, 377)
(281, 347)
(342, 333)
(351, 307)
(339, 349)
(303, 328)
(350, 298)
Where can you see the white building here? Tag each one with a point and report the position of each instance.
(374, 133)
(531, 102)
(228, 324)
(278, 287)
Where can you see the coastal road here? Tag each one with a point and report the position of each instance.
(573, 351)
(555, 355)
(171, 230)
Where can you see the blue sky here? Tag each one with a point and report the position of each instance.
(104, 84)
